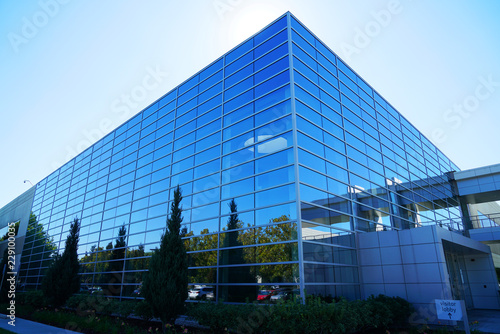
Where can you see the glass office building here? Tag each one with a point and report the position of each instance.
(311, 154)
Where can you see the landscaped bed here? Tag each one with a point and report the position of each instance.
(96, 314)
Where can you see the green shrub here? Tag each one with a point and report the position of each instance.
(143, 310)
(108, 306)
(380, 313)
(34, 298)
(126, 308)
(84, 304)
(399, 308)
(254, 318)
(355, 315)
(94, 324)
(76, 301)
(218, 317)
(315, 316)
(95, 303)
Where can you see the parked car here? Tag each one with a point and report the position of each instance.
(84, 289)
(202, 293)
(265, 294)
(95, 290)
(285, 294)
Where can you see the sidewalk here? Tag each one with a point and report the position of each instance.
(29, 327)
(489, 320)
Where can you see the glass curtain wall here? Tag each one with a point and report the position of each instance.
(226, 133)
(309, 152)
(362, 167)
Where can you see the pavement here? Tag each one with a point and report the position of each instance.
(30, 327)
(24, 326)
(489, 320)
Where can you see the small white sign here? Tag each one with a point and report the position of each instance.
(449, 309)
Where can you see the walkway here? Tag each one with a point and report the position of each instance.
(479, 185)
(29, 327)
(489, 320)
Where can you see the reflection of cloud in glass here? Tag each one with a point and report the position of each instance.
(267, 147)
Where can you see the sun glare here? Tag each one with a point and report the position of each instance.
(249, 21)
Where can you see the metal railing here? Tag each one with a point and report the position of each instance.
(451, 225)
(490, 220)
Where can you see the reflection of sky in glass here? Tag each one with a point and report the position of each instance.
(453, 35)
(267, 147)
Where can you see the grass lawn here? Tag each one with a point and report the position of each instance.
(4, 331)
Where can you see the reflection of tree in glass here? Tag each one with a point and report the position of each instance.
(232, 238)
(103, 266)
(135, 267)
(61, 278)
(199, 243)
(16, 229)
(271, 253)
(108, 264)
(136, 258)
(43, 242)
(117, 262)
(235, 256)
(87, 264)
(42, 246)
(232, 252)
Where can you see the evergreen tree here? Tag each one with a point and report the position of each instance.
(165, 284)
(61, 278)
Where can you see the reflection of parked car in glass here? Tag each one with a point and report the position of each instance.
(203, 293)
(137, 292)
(265, 294)
(84, 289)
(95, 290)
(285, 295)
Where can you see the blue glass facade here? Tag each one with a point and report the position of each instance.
(310, 153)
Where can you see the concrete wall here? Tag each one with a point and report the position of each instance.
(411, 264)
(17, 210)
(483, 281)
(481, 272)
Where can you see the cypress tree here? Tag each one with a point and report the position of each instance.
(61, 278)
(165, 284)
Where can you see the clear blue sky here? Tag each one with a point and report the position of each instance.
(73, 70)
